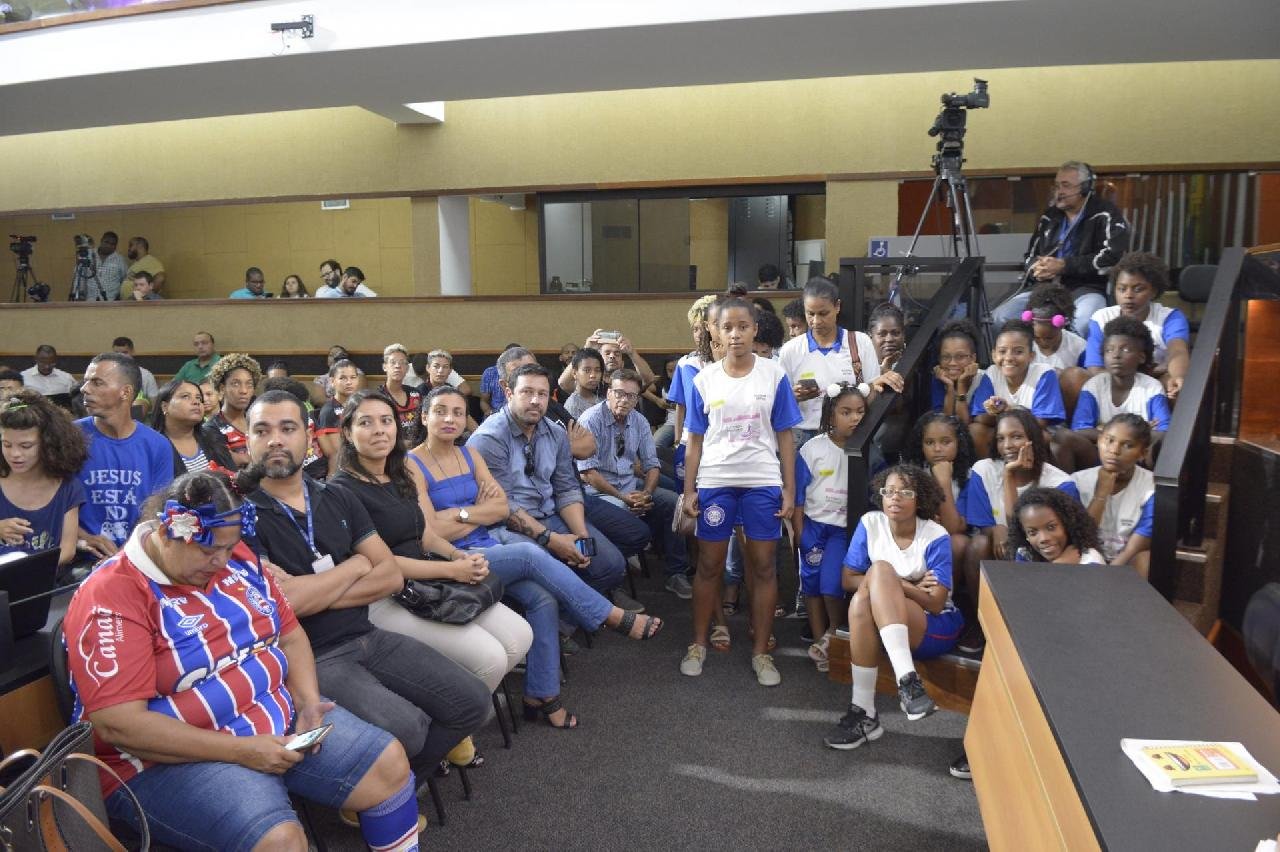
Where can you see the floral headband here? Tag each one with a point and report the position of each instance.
(198, 523)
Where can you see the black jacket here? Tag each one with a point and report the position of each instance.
(1101, 237)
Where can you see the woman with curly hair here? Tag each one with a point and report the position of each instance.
(899, 570)
(1049, 526)
(234, 378)
(40, 490)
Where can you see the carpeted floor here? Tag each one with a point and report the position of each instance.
(663, 761)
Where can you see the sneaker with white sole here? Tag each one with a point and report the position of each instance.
(766, 672)
(679, 585)
(960, 768)
(691, 665)
(853, 729)
(915, 702)
(818, 653)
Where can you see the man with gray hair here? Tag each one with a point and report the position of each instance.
(1077, 240)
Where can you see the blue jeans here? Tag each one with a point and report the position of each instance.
(421, 697)
(627, 532)
(1087, 303)
(544, 585)
(675, 552)
(607, 567)
(218, 806)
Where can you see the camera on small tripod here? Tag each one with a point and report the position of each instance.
(951, 125)
(86, 272)
(23, 247)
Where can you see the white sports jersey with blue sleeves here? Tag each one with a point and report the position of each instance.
(984, 493)
(822, 481)
(1164, 323)
(739, 419)
(1070, 352)
(930, 550)
(686, 368)
(1146, 399)
(1128, 511)
(803, 359)
(1039, 392)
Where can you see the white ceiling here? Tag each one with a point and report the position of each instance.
(575, 48)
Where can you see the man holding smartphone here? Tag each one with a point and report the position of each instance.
(623, 442)
(616, 350)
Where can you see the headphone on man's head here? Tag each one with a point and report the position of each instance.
(1087, 177)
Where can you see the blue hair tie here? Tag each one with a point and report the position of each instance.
(197, 523)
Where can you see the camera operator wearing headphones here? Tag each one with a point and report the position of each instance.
(1077, 240)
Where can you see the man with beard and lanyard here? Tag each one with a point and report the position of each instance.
(325, 555)
(1077, 240)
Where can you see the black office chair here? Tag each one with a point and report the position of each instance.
(1194, 284)
(61, 676)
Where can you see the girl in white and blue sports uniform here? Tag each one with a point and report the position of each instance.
(899, 568)
(740, 413)
(1013, 380)
(1127, 350)
(1119, 494)
(1048, 525)
(822, 514)
(825, 354)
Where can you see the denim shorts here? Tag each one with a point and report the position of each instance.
(228, 806)
(755, 508)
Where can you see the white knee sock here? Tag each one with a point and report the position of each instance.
(864, 689)
(898, 646)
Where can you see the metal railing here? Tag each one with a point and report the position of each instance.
(1206, 405)
(912, 365)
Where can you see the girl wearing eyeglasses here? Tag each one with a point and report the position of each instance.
(898, 567)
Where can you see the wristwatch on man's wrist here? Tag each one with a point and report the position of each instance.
(543, 537)
(463, 515)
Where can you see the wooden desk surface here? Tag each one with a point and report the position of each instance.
(1108, 658)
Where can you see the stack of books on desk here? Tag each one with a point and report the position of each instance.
(1220, 770)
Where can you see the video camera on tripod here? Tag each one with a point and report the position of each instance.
(86, 272)
(23, 247)
(950, 125)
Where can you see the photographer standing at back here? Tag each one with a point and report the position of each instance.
(109, 268)
(1077, 241)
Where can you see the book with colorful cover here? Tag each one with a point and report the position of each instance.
(1199, 763)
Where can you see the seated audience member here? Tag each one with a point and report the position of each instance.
(439, 372)
(825, 354)
(235, 378)
(1019, 460)
(899, 570)
(1140, 279)
(821, 514)
(40, 490)
(144, 288)
(566, 354)
(330, 275)
(254, 284)
(344, 378)
(769, 277)
(956, 375)
(178, 413)
(585, 371)
(314, 464)
(210, 396)
(492, 395)
(664, 437)
(1014, 380)
(293, 288)
(371, 467)
(10, 383)
(45, 377)
(793, 318)
(529, 457)
(623, 446)
(350, 286)
(1120, 493)
(204, 766)
(323, 390)
(149, 389)
(768, 334)
(139, 253)
(616, 351)
(1049, 525)
(582, 444)
(460, 500)
(278, 370)
(941, 444)
(323, 551)
(1122, 386)
(127, 460)
(887, 328)
(406, 398)
(197, 369)
(1077, 241)
(1050, 312)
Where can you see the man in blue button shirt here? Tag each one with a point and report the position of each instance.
(529, 457)
(623, 439)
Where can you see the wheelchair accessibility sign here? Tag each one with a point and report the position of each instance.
(879, 248)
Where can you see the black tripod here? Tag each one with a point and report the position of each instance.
(86, 271)
(22, 280)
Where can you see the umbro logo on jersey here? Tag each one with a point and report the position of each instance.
(191, 622)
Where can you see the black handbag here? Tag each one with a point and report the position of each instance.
(52, 800)
(448, 601)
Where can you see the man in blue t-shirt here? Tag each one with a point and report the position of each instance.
(127, 461)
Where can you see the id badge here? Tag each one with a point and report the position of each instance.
(324, 563)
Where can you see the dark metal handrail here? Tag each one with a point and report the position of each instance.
(1206, 404)
(913, 357)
